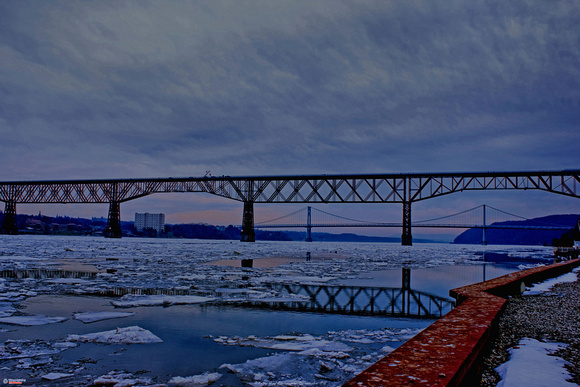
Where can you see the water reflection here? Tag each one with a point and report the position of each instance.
(269, 262)
(439, 280)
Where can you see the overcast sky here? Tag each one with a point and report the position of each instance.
(105, 89)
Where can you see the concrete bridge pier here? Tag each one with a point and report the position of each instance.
(9, 225)
(406, 237)
(113, 229)
(248, 233)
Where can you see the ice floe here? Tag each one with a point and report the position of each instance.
(31, 320)
(133, 300)
(289, 369)
(128, 335)
(56, 376)
(90, 317)
(21, 349)
(121, 379)
(196, 380)
(286, 343)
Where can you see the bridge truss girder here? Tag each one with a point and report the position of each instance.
(376, 188)
(371, 188)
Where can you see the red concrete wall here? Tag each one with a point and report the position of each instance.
(446, 352)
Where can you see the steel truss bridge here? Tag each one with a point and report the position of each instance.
(402, 188)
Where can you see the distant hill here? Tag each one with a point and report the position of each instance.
(522, 237)
(349, 237)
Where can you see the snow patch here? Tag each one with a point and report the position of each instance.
(548, 284)
(532, 364)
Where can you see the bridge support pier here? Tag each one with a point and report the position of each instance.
(483, 236)
(309, 225)
(113, 229)
(248, 233)
(405, 290)
(9, 225)
(406, 237)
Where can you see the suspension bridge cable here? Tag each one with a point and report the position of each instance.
(448, 216)
(345, 218)
(507, 213)
(282, 217)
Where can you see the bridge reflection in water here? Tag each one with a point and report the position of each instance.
(321, 298)
(358, 300)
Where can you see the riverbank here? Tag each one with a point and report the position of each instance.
(550, 317)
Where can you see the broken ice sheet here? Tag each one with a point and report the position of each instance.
(128, 335)
(38, 319)
(132, 300)
(119, 378)
(290, 369)
(21, 349)
(365, 336)
(56, 376)
(196, 380)
(90, 317)
(301, 342)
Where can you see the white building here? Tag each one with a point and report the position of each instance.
(146, 220)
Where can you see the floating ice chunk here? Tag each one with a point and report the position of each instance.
(317, 352)
(284, 370)
(56, 376)
(128, 335)
(522, 368)
(286, 343)
(547, 285)
(120, 379)
(197, 380)
(90, 317)
(39, 319)
(22, 349)
(132, 300)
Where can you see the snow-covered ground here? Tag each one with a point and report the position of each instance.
(42, 266)
(547, 285)
(532, 364)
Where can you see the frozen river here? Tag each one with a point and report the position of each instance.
(56, 330)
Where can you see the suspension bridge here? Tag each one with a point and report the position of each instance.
(484, 217)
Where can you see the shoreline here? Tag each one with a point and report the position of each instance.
(550, 317)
